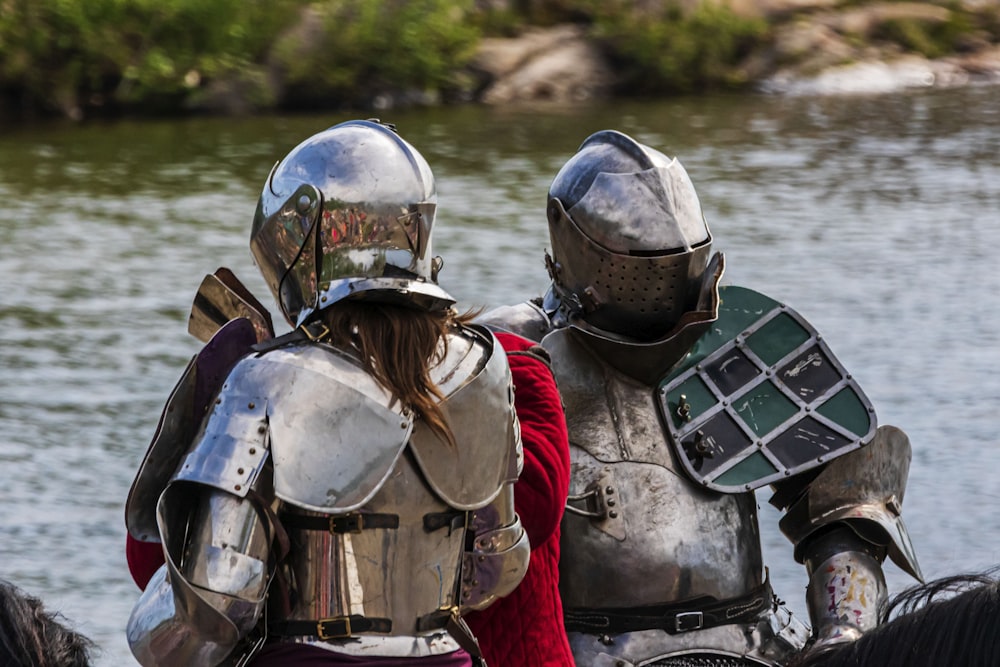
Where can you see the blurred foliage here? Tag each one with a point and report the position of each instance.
(668, 48)
(73, 56)
(61, 54)
(934, 39)
(374, 47)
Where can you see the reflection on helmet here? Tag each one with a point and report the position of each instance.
(348, 214)
(629, 241)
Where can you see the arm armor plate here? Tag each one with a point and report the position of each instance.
(864, 490)
(210, 592)
(498, 558)
(842, 525)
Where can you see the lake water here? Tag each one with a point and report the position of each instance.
(877, 218)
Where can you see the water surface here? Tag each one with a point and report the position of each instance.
(876, 218)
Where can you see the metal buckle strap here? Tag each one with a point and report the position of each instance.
(335, 627)
(675, 618)
(346, 523)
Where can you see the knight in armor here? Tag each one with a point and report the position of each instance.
(682, 397)
(340, 494)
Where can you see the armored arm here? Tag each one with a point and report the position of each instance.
(498, 557)
(214, 522)
(843, 524)
(210, 592)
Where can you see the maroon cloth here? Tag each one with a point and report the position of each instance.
(525, 629)
(144, 559)
(304, 655)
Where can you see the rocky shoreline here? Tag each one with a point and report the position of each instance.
(816, 49)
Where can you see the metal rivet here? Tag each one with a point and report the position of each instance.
(482, 558)
(218, 400)
(251, 405)
(238, 487)
(613, 514)
(239, 471)
(609, 490)
(611, 502)
(253, 450)
(261, 429)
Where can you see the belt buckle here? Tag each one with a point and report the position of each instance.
(346, 620)
(688, 620)
(351, 523)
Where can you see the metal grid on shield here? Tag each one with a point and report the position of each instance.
(768, 403)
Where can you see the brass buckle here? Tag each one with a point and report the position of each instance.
(349, 523)
(346, 620)
(317, 337)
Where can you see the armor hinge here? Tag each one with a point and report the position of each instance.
(595, 504)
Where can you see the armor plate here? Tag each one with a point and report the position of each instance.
(180, 420)
(760, 397)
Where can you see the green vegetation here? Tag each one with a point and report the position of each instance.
(673, 50)
(78, 57)
(930, 38)
(67, 54)
(377, 47)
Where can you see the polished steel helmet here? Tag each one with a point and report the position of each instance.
(630, 244)
(348, 214)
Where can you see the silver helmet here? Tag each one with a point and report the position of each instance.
(630, 244)
(348, 214)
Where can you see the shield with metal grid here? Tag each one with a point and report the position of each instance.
(761, 397)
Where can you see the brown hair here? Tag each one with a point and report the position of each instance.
(398, 346)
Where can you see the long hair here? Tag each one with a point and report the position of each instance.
(31, 637)
(399, 345)
(949, 621)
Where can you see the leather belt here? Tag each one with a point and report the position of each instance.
(341, 627)
(676, 617)
(346, 523)
(337, 627)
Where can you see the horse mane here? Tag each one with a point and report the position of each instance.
(33, 637)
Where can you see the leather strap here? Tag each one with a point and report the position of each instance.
(693, 614)
(337, 627)
(345, 523)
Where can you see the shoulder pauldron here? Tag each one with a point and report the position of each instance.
(760, 397)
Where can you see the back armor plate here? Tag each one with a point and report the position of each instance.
(760, 398)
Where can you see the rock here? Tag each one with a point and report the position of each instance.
(866, 19)
(871, 77)
(556, 64)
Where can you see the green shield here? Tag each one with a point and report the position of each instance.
(760, 397)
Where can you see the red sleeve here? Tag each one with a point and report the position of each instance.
(540, 493)
(144, 559)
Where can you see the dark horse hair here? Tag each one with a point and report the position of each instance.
(32, 637)
(954, 621)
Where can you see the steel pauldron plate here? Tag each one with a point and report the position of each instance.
(760, 397)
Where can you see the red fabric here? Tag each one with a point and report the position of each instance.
(525, 629)
(144, 559)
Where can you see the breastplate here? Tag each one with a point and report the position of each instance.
(656, 537)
